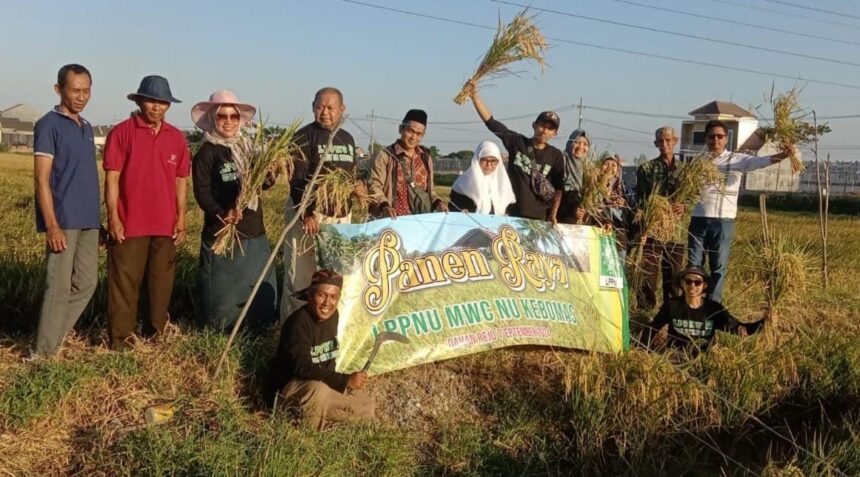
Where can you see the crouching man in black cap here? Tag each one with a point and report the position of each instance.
(691, 320)
(303, 375)
(401, 176)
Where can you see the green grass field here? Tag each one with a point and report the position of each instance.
(784, 403)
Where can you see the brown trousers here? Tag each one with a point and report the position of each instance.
(128, 263)
(659, 258)
(318, 403)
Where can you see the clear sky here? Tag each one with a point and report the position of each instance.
(276, 54)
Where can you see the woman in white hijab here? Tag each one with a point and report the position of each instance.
(485, 187)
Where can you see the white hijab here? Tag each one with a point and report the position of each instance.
(489, 192)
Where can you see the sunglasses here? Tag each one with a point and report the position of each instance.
(693, 283)
(716, 136)
(225, 117)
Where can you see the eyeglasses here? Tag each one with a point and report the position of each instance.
(225, 117)
(488, 160)
(716, 136)
(693, 283)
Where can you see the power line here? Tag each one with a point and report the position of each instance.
(636, 113)
(608, 48)
(679, 34)
(737, 23)
(622, 112)
(622, 128)
(784, 13)
(814, 9)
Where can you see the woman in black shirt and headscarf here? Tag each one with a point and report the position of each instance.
(218, 168)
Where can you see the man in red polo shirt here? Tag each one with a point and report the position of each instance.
(146, 164)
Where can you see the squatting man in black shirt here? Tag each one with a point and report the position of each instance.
(303, 375)
(691, 321)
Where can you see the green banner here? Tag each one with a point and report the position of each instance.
(455, 284)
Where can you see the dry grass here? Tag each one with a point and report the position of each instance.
(517, 41)
(108, 395)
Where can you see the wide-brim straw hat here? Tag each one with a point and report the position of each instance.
(200, 112)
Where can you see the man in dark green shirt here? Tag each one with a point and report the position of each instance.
(657, 176)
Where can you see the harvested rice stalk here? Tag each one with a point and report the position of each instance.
(783, 271)
(594, 188)
(335, 194)
(518, 40)
(693, 176)
(656, 218)
(658, 221)
(267, 156)
(788, 128)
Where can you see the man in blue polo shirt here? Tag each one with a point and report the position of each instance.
(67, 207)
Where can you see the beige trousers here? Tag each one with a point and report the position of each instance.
(318, 403)
(300, 260)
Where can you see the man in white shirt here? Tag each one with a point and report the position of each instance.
(713, 223)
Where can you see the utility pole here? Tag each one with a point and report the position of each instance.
(372, 131)
(579, 125)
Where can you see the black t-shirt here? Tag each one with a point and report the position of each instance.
(549, 160)
(570, 201)
(697, 327)
(308, 351)
(313, 140)
(216, 187)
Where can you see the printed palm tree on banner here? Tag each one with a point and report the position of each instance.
(538, 234)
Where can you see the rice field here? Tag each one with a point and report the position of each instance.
(780, 404)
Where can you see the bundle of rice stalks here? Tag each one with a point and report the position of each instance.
(694, 175)
(518, 40)
(657, 221)
(656, 218)
(267, 156)
(334, 194)
(595, 189)
(783, 271)
(787, 131)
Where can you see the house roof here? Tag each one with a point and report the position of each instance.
(721, 108)
(12, 124)
(21, 111)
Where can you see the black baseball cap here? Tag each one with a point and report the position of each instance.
(549, 117)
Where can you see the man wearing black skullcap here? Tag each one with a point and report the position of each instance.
(303, 375)
(401, 176)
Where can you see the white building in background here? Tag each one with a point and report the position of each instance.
(743, 137)
(16, 127)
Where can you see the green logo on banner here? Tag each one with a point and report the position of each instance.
(611, 268)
